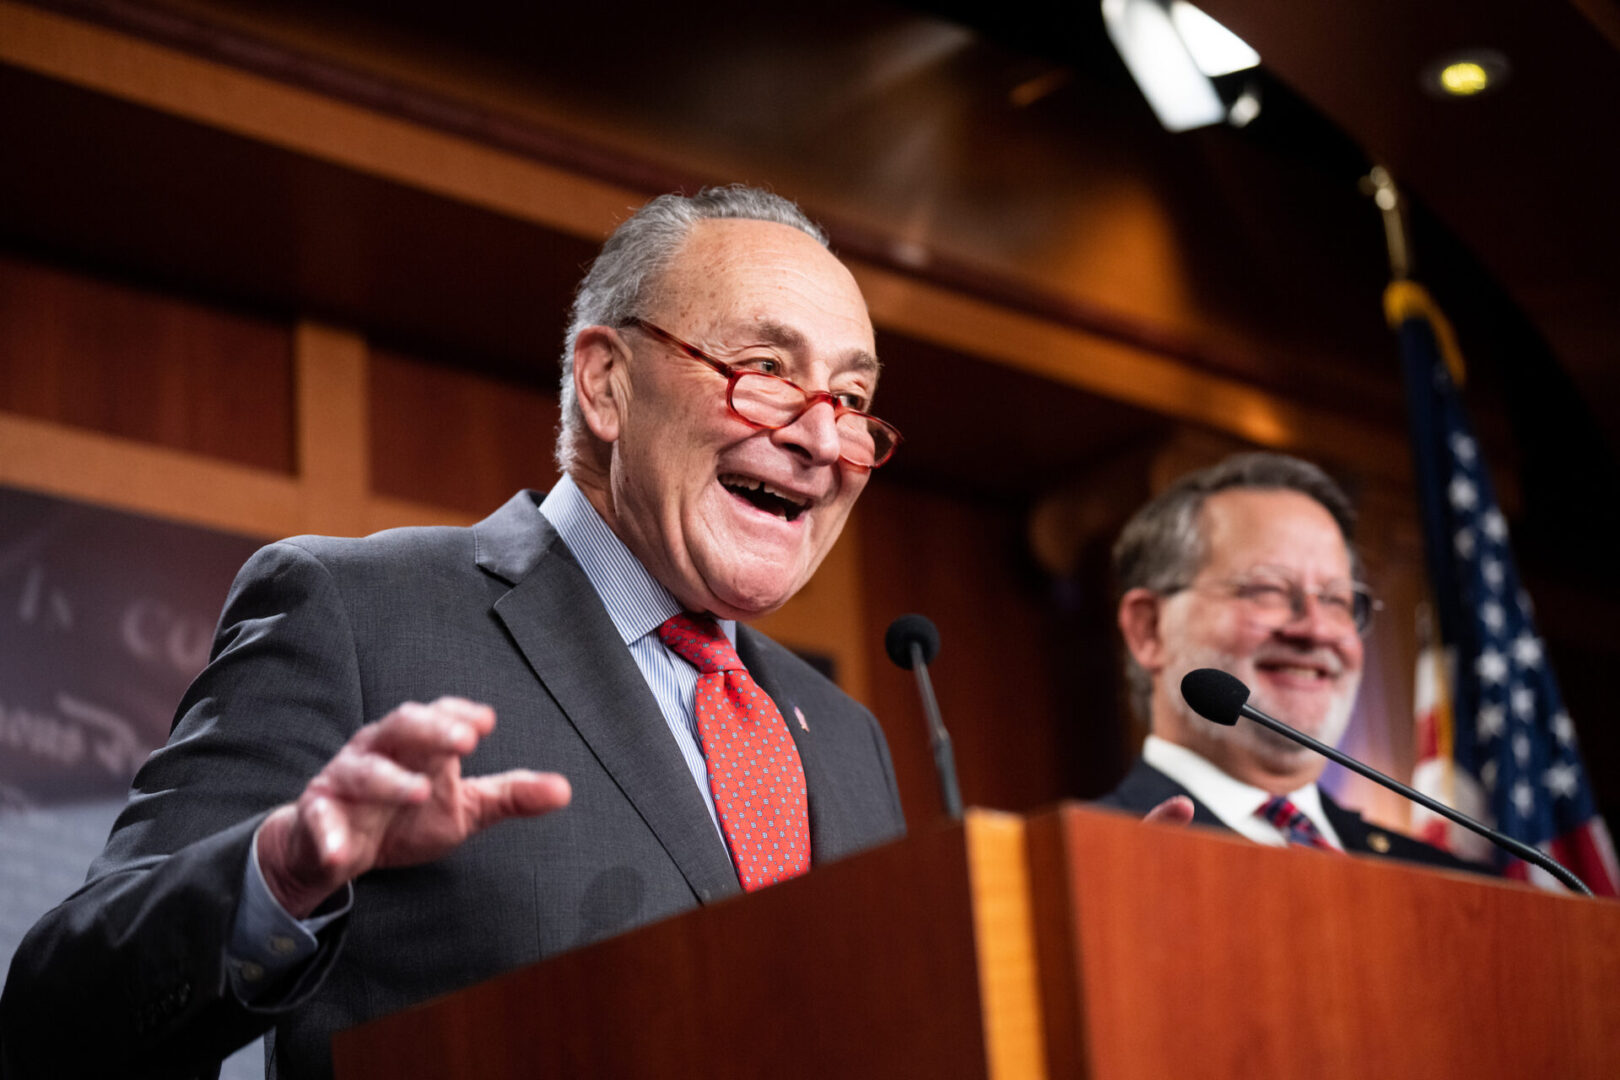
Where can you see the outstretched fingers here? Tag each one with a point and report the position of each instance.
(419, 735)
(518, 793)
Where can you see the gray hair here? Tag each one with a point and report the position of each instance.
(1163, 546)
(616, 288)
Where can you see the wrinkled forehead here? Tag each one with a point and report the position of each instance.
(1281, 530)
(730, 275)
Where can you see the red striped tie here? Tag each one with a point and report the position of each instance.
(1292, 822)
(754, 768)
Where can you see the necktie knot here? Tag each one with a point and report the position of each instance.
(697, 640)
(1295, 825)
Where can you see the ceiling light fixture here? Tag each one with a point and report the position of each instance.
(1172, 50)
(1466, 73)
(1215, 49)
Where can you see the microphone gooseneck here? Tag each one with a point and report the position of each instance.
(912, 642)
(1222, 698)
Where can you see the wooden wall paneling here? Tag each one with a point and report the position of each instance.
(463, 169)
(143, 365)
(282, 115)
(964, 566)
(457, 439)
(333, 444)
(831, 615)
(1071, 533)
(1120, 371)
(129, 475)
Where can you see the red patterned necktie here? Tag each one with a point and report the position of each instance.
(754, 769)
(1292, 822)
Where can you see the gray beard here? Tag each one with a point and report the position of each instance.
(1248, 737)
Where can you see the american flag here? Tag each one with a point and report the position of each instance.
(1493, 738)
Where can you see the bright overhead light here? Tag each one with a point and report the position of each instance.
(1463, 78)
(1172, 50)
(1466, 73)
(1214, 48)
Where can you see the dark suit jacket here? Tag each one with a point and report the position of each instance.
(1145, 787)
(321, 635)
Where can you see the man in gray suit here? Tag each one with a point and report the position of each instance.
(313, 847)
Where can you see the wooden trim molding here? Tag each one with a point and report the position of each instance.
(493, 168)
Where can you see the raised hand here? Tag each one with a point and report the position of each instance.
(394, 796)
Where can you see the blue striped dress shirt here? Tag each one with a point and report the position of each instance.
(638, 605)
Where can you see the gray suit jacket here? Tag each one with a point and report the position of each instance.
(321, 635)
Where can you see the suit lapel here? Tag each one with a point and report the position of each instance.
(562, 630)
(1149, 787)
(1352, 828)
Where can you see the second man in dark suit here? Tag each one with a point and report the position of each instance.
(1248, 567)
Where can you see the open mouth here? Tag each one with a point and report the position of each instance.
(1315, 672)
(764, 497)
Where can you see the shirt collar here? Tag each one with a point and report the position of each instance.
(634, 599)
(1228, 798)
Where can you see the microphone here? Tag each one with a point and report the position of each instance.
(1222, 698)
(912, 642)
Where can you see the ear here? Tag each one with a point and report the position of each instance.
(600, 363)
(1139, 612)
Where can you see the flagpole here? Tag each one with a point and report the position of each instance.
(1381, 186)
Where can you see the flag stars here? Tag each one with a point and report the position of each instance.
(1464, 448)
(1524, 702)
(1525, 605)
(1493, 616)
(1521, 749)
(1464, 543)
(1492, 721)
(1491, 570)
(1527, 650)
(1563, 728)
(1491, 667)
(1464, 494)
(1494, 525)
(1562, 780)
(1524, 800)
(1487, 775)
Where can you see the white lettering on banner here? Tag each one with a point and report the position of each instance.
(48, 737)
(154, 632)
(37, 600)
(82, 728)
(114, 741)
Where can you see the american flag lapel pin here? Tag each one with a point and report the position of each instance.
(799, 714)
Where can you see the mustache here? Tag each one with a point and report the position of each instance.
(1320, 657)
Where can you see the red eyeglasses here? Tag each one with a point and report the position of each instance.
(772, 402)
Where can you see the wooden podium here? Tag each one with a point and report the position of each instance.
(1075, 943)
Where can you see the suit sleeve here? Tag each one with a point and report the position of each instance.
(128, 976)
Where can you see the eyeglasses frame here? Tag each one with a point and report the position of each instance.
(733, 374)
(1297, 595)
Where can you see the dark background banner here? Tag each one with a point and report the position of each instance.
(105, 617)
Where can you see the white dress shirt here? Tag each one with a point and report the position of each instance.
(1231, 800)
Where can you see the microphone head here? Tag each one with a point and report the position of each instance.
(906, 631)
(1214, 694)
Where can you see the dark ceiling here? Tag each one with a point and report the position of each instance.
(998, 147)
